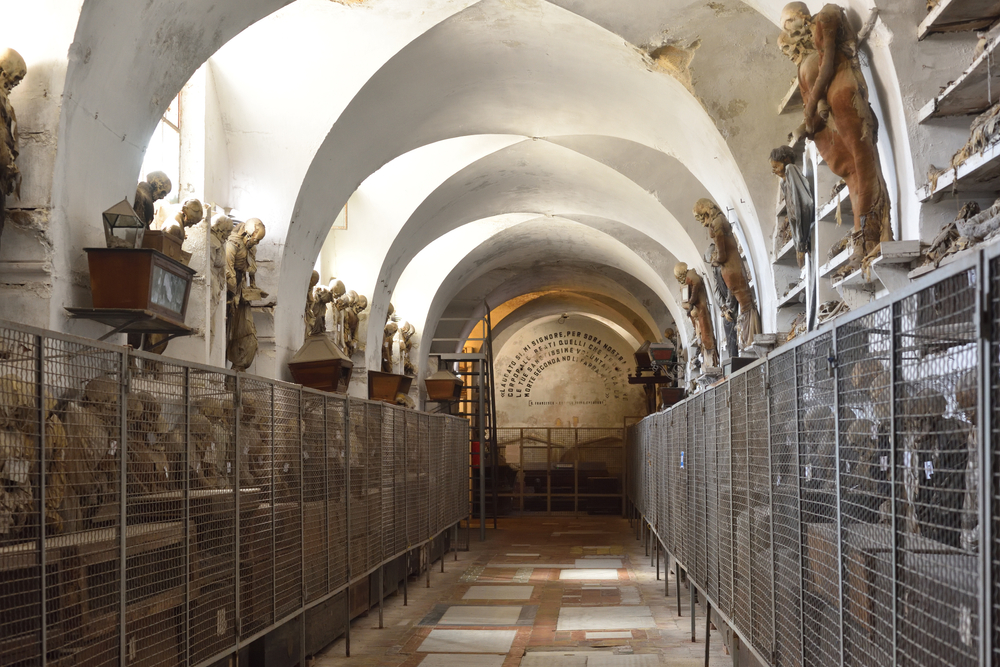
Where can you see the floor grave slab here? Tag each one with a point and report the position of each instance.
(446, 660)
(551, 566)
(468, 641)
(605, 618)
(499, 593)
(480, 615)
(599, 562)
(588, 575)
(587, 659)
(625, 634)
(524, 555)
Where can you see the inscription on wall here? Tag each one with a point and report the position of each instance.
(563, 346)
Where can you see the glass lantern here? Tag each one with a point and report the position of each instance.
(122, 227)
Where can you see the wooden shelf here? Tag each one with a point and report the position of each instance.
(958, 16)
(792, 99)
(856, 280)
(835, 264)
(979, 175)
(828, 212)
(791, 300)
(786, 255)
(969, 93)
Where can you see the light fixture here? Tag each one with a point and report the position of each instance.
(122, 227)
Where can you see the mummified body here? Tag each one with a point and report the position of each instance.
(699, 311)
(838, 117)
(727, 258)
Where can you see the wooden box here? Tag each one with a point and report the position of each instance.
(385, 386)
(321, 364)
(140, 279)
(168, 244)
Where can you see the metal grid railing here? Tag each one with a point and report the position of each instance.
(846, 484)
(188, 509)
(568, 470)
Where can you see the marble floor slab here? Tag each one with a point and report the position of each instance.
(588, 575)
(599, 562)
(475, 615)
(499, 593)
(605, 618)
(453, 660)
(625, 634)
(468, 641)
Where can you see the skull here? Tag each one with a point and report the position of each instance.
(222, 226)
(192, 212)
(313, 279)
(361, 304)
(337, 288)
(254, 230)
(795, 18)
(705, 210)
(160, 184)
(680, 271)
(12, 69)
(796, 26)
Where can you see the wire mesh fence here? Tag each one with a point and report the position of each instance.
(580, 470)
(840, 491)
(154, 512)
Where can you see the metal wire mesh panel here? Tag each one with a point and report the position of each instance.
(436, 476)
(937, 465)
(336, 431)
(711, 498)
(741, 506)
(212, 514)
(423, 463)
(659, 438)
(399, 480)
(678, 482)
(258, 511)
(374, 414)
(156, 545)
(315, 491)
(600, 470)
(696, 413)
(818, 502)
(20, 552)
(787, 574)
(758, 468)
(723, 452)
(81, 419)
(412, 480)
(864, 412)
(993, 432)
(358, 525)
(287, 500)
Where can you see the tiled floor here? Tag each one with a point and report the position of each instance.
(589, 598)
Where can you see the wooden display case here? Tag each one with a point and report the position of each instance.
(140, 279)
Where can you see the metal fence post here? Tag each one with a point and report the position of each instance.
(798, 510)
(893, 495)
(123, 388)
(770, 500)
(238, 399)
(834, 369)
(302, 528)
(984, 424)
(186, 509)
(42, 546)
(347, 508)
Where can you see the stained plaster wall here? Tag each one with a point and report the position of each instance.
(27, 247)
(571, 371)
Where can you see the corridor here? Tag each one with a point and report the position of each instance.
(539, 592)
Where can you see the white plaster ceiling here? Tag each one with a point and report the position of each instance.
(423, 112)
